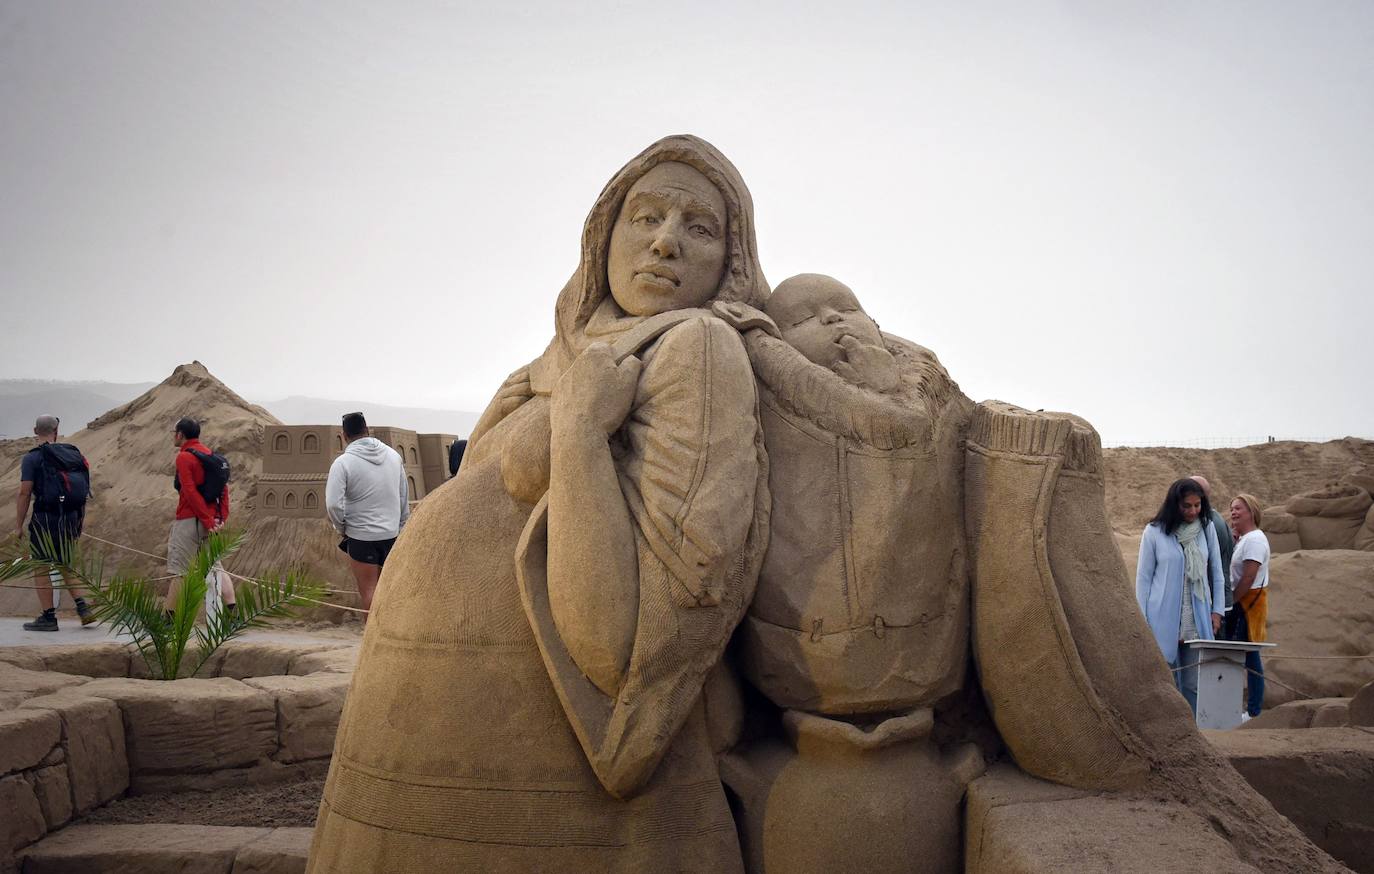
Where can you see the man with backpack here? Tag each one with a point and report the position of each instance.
(202, 483)
(56, 477)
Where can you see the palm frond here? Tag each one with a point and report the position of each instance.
(131, 604)
(258, 601)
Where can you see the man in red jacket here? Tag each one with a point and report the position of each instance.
(195, 517)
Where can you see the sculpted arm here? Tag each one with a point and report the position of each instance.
(666, 544)
(593, 561)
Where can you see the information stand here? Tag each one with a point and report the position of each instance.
(1221, 680)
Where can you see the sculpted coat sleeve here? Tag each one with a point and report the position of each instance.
(691, 470)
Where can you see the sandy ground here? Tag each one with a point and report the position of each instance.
(293, 804)
(70, 631)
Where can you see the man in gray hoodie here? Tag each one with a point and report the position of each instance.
(368, 501)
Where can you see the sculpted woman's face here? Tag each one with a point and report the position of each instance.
(668, 245)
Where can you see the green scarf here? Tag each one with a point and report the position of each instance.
(1194, 563)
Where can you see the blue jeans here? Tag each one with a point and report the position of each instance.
(1237, 628)
(1185, 673)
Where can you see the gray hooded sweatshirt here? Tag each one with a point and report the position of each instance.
(366, 495)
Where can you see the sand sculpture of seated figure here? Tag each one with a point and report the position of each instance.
(528, 696)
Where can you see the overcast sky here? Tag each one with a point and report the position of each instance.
(1157, 215)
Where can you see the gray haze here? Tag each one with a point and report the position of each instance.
(1157, 215)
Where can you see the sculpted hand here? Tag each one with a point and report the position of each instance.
(869, 366)
(595, 390)
(742, 317)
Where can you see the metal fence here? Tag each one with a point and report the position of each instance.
(1216, 442)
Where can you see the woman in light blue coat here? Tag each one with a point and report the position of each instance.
(1180, 565)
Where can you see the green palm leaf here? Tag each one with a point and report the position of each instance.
(131, 604)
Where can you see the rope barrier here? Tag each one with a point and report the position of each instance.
(122, 546)
(177, 576)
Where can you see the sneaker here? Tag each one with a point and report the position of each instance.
(83, 610)
(1244, 717)
(44, 622)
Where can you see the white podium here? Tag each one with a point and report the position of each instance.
(1221, 680)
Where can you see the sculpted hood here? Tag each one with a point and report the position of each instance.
(588, 288)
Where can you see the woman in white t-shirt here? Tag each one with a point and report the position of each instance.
(1250, 580)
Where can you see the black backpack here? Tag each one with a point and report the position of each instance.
(216, 476)
(64, 478)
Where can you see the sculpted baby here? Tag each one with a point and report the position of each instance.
(859, 625)
(821, 318)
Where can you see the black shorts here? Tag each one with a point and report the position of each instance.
(51, 535)
(367, 551)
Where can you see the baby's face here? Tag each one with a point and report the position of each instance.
(814, 312)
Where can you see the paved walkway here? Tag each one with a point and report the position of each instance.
(70, 631)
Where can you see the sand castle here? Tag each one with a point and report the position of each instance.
(296, 460)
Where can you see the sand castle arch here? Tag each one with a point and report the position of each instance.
(296, 467)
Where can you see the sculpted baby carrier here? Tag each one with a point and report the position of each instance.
(862, 603)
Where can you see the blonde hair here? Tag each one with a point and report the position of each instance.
(1252, 503)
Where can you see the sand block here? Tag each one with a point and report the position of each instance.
(1019, 825)
(308, 711)
(21, 683)
(140, 849)
(54, 794)
(190, 726)
(1361, 711)
(25, 657)
(97, 659)
(1320, 778)
(341, 660)
(242, 660)
(26, 738)
(1324, 596)
(1333, 714)
(93, 741)
(22, 822)
(1296, 714)
(284, 851)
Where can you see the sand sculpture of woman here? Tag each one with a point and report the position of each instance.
(528, 694)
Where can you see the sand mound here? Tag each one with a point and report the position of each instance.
(1321, 604)
(277, 544)
(1273, 472)
(131, 455)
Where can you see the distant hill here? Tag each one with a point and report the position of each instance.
(75, 403)
(1137, 478)
(131, 454)
(299, 410)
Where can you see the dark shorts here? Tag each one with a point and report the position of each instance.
(51, 535)
(367, 551)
